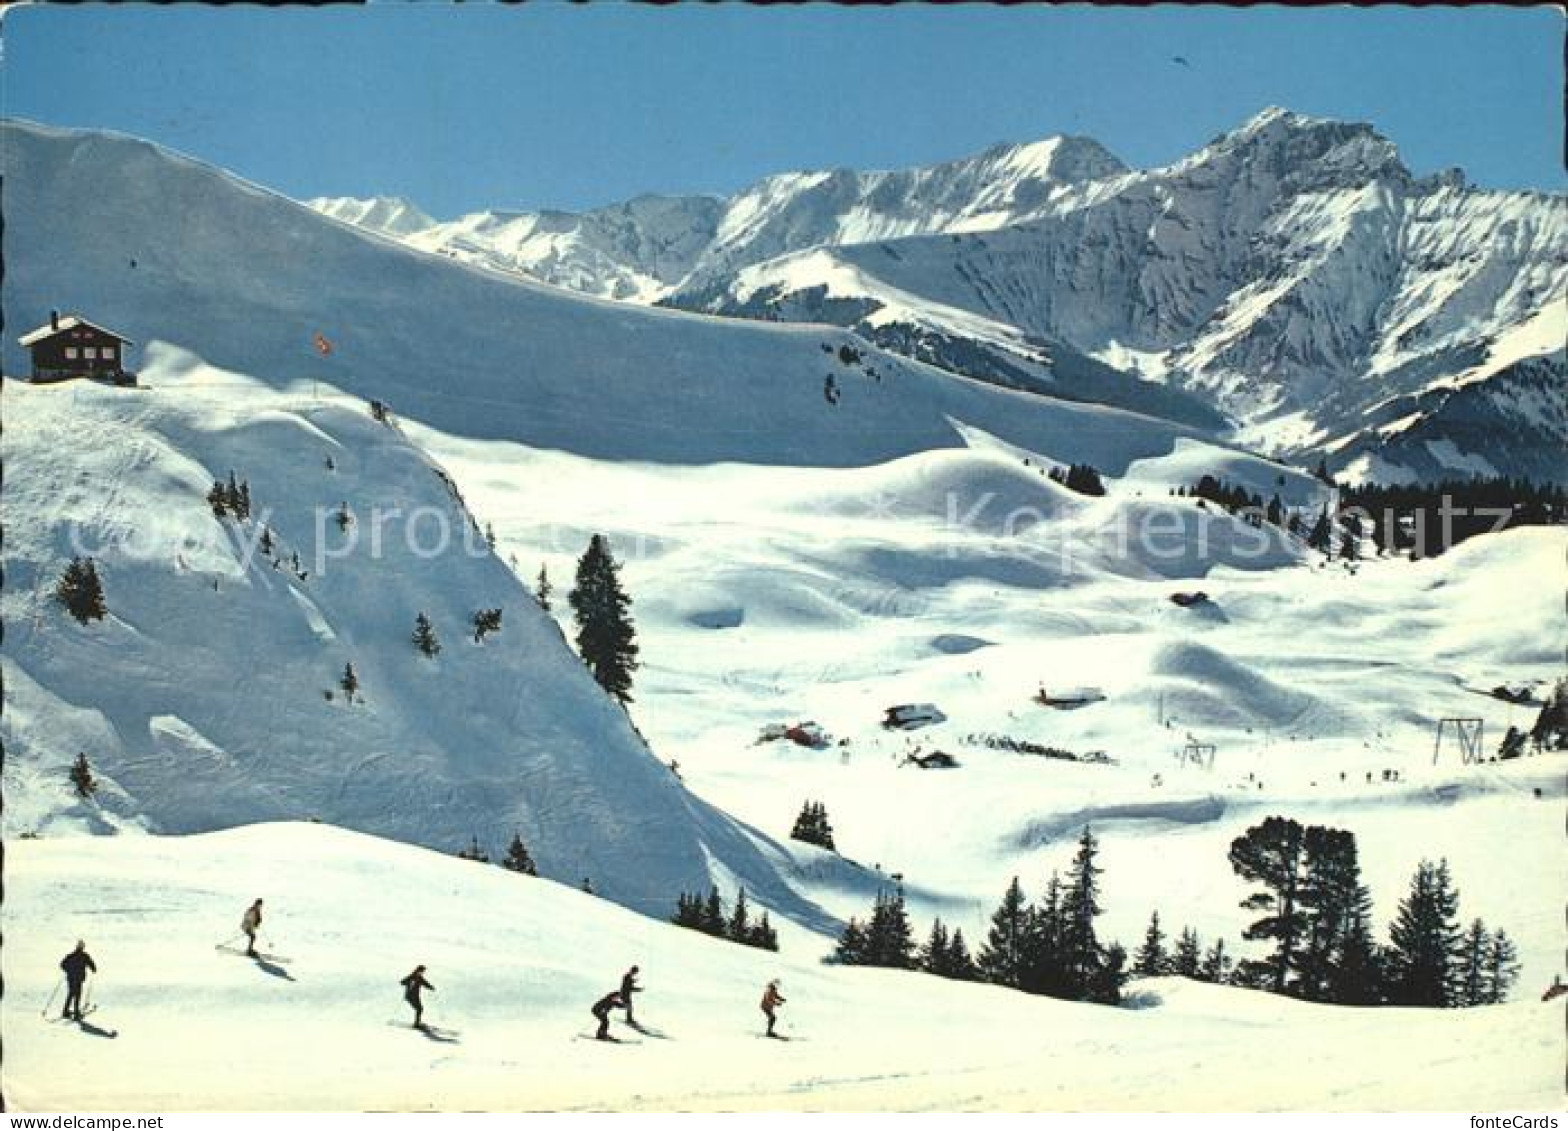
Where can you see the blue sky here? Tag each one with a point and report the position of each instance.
(572, 107)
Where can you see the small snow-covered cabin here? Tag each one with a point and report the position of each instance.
(70, 346)
(908, 716)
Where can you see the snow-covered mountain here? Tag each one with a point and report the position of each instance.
(1293, 275)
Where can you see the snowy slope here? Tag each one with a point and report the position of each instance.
(175, 251)
(201, 699)
(516, 964)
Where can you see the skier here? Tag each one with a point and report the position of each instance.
(771, 1000)
(76, 964)
(249, 925)
(412, 985)
(629, 987)
(601, 1010)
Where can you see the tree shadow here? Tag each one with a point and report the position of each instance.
(273, 968)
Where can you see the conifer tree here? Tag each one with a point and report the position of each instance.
(889, 940)
(82, 779)
(1502, 969)
(1001, 959)
(1425, 940)
(1475, 951)
(1044, 971)
(1321, 537)
(266, 545)
(713, 914)
(517, 858)
(1357, 976)
(739, 927)
(349, 682)
(474, 852)
(1271, 854)
(1188, 959)
(763, 936)
(1151, 960)
(425, 636)
(486, 621)
(812, 826)
(1084, 961)
(1105, 981)
(851, 947)
(1216, 964)
(543, 589)
(1330, 891)
(81, 591)
(606, 639)
(934, 954)
(959, 964)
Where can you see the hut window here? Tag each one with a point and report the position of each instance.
(89, 352)
(108, 353)
(70, 353)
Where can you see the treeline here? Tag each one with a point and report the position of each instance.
(1314, 912)
(1050, 948)
(1427, 519)
(707, 914)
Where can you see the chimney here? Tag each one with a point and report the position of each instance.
(54, 320)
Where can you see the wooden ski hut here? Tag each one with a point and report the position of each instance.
(70, 346)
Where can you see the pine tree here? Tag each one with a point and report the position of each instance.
(713, 914)
(1001, 959)
(217, 499)
(763, 936)
(517, 858)
(1330, 892)
(1357, 977)
(81, 775)
(1044, 971)
(1425, 940)
(1475, 951)
(851, 948)
(812, 826)
(349, 682)
(425, 636)
(81, 591)
(1188, 959)
(1083, 959)
(543, 589)
(489, 536)
(587, 886)
(266, 545)
(1106, 980)
(1216, 964)
(474, 852)
(739, 927)
(1151, 960)
(1502, 969)
(959, 964)
(1272, 854)
(1322, 536)
(606, 639)
(934, 956)
(889, 940)
(486, 621)
(688, 911)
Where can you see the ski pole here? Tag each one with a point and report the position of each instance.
(47, 1004)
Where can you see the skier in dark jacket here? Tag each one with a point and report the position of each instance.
(250, 925)
(412, 985)
(601, 1010)
(76, 965)
(629, 987)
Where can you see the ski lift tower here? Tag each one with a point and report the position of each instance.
(1467, 732)
(1197, 753)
